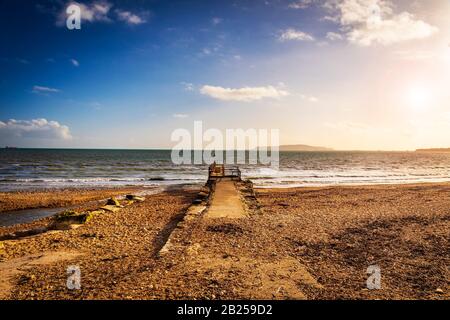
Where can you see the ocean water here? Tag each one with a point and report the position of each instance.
(22, 169)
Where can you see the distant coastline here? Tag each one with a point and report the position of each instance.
(434, 150)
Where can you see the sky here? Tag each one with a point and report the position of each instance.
(345, 74)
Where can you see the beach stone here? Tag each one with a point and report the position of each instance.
(113, 202)
(205, 189)
(75, 226)
(132, 197)
(202, 195)
(65, 220)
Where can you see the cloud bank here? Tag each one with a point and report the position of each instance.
(35, 129)
(245, 94)
(292, 34)
(369, 22)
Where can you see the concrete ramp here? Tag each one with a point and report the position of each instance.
(226, 202)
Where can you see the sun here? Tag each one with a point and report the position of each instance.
(418, 98)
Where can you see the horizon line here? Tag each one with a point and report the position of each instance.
(170, 149)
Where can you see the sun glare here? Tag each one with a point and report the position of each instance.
(418, 98)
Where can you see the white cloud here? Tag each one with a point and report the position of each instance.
(368, 22)
(309, 98)
(36, 128)
(41, 89)
(216, 20)
(300, 4)
(333, 36)
(180, 115)
(75, 62)
(292, 34)
(245, 94)
(187, 86)
(129, 17)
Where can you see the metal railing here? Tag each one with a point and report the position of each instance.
(232, 172)
(222, 171)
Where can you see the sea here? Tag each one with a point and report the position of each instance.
(34, 169)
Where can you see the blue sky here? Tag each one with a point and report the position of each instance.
(137, 70)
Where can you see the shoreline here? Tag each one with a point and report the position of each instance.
(51, 198)
(62, 197)
(20, 202)
(352, 186)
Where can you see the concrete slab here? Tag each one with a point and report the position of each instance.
(226, 202)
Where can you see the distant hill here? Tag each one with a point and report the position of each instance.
(303, 147)
(434, 150)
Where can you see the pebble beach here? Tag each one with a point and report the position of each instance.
(302, 243)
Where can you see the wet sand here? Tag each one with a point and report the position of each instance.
(304, 243)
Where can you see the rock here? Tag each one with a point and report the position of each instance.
(439, 290)
(70, 219)
(25, 278)
(113, 202)
(110, 208)
(75, 226)
(25, 233)
(134, 198)
(202, 195)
